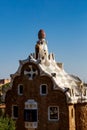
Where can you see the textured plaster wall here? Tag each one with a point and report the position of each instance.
(71, 117)
(81, 116)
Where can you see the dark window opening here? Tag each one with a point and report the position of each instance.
(20, 89)
(15, 111)
(43, 89)
(30, 115)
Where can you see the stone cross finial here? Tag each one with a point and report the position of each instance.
(31, 73)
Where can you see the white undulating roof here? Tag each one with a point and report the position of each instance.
(70, 84)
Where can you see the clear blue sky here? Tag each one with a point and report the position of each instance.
(65, 24)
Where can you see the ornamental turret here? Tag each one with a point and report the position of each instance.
(41, 49)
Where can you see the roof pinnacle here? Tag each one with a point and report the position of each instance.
(41, 34)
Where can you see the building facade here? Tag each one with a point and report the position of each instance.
(43, 96)
(4, 81)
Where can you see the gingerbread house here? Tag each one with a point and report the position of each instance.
(45, 97)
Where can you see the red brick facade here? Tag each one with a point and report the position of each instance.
(31, 90)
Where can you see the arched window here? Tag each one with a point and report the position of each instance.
(43, 89)
(20, 89)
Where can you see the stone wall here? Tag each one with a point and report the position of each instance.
(81, 116)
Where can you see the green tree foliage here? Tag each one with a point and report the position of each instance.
(5, 87)
(7, 123)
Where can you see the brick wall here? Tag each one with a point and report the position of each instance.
(32, 91)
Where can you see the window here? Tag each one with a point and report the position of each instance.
(30, 115)
(43, 89)
(20, 89)
(15, 111)
(53, 113)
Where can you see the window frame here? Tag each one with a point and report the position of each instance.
(57, 113)
(32, 112)
(43, 94)
(19, 89)
(13, 116)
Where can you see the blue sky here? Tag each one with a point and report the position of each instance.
(65, 24)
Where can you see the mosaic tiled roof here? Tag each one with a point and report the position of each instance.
(71, 85)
